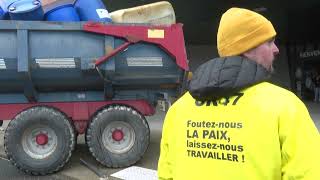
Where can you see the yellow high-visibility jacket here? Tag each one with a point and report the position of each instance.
(263, 132)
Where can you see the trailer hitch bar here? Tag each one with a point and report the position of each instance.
(112, 53)
(130, 40)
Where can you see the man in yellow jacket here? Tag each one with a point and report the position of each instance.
(232, 124)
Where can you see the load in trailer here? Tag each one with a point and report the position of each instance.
(58, 80)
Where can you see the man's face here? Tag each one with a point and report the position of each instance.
(264, 54)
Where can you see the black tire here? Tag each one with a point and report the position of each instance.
(26, 154)
(118, 153)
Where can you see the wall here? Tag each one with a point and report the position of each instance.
(199, 54)
(281, 75)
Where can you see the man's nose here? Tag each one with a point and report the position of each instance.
(275, 49)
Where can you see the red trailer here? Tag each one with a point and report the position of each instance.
(66, 79)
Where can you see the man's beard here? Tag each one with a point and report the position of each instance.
(271, 69)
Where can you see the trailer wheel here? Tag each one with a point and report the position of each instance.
(39, 140)
(118, 136)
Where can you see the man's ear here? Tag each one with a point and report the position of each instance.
(249, 54)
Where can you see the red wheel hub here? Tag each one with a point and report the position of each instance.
(42, 139)
(117, 135)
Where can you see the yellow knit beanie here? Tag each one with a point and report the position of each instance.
(241, 30)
